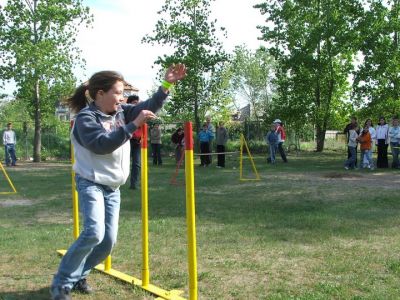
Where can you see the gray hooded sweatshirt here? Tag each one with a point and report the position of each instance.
(102, 154)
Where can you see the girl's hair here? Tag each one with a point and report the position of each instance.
(366, 121)
(103, 80)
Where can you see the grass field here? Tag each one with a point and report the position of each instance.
(307, 230)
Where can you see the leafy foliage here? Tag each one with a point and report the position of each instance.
(252, 76)
(185, 26)
(314, 44)
(38, 52)
(377, 81)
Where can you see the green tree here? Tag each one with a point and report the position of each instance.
(185, 26)
(377, 81)
(252, 75)
(314, 43)
(38, 51)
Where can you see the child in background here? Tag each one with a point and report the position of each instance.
(155, 140)
(394, 135)
(351, 161)
(177, 139)
(272, 140)
(205, 137)
(365, 146)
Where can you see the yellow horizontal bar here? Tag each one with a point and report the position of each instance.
(163, 294)
(7, 193)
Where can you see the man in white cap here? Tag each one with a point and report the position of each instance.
(281, 138)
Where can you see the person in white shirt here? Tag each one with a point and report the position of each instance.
(352, 144)
(394, 135)
(9, 142)
(382, 141)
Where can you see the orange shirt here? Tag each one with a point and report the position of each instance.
(365, 141)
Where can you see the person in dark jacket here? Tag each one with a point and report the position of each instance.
(177, 139)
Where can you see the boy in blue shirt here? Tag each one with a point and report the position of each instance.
(205, 137)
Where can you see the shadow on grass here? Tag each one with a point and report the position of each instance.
(40, 294)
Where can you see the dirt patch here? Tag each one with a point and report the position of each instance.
(342, 175)
(15, 202)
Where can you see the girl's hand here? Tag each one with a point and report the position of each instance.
(175, 73)
(143, 116)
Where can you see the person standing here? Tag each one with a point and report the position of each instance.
(372, 132)
(9, 142)
(205, 136)
(365, 146)
(272, 140)
(382, 142)
(221, 140)
(100, 138)
(280, 131)
(135, 149)
(211, 129)
(353, 124)
(394, 135)
(353, 136)
(177, 139)
(155, 140)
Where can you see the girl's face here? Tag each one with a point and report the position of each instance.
(368, 123)
(109, 101)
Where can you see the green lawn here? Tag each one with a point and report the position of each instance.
(307, 230)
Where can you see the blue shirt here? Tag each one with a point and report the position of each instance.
(206, 136)
(272, 138)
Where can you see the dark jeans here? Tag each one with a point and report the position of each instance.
(10, 151)
(282, 152)
(382, 161)
(205, 148)
(135, 166)
(221, 157)
(156, 153)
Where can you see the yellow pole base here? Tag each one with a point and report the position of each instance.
(161, 293)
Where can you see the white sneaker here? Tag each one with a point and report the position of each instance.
(346, 168)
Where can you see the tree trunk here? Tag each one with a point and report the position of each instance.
(37, 141)
(320, 136)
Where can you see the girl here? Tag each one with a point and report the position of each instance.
(372, 132)
(100, 137)
(365, 146)
(351, 162)
(382, 141)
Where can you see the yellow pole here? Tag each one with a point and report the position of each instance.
(8, 178)
(145, 210)
(190, 211)
(75, 204)
(107, 264)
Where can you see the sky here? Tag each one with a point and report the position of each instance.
(114, 40)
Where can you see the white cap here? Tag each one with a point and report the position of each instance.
(277, 121)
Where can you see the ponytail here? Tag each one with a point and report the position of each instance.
(103, 80)
(78, 100)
